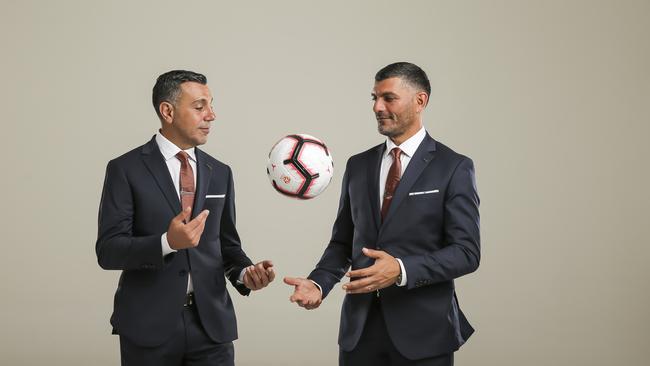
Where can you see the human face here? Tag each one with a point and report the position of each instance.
(397, 107)
(187, 121)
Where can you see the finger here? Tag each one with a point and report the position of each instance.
(296, 297)
(372, 287)
(266, 264)
(373, 253)
(271, 274)
(363, 272)
(198, 220)
(198, 230)
(292, 281)
(195, 235)
(359, 284)
(248, 280)
(254, 276)
(262, 275)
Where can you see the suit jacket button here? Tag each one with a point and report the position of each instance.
(182, 273)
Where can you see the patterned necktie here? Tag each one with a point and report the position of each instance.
(392, 180)
(187, 181)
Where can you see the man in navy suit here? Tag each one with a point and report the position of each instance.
(407, 225)
(167, 221)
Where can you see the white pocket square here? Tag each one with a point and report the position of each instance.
(215, 196)
(423, 192)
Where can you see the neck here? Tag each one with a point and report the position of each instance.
(398, 140)
(174, 139)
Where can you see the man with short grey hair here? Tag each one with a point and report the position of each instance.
(167, 221)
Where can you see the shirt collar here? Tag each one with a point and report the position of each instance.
(169, 150)
(409, 146)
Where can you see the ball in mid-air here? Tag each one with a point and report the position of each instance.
(300, 166)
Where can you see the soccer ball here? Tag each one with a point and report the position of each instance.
(300, 166)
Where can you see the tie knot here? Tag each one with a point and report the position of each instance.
(183, 156)
(396, 152)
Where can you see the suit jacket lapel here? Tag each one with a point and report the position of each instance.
(421, 158)
(203, 174)
(155, 162)
(373, 179)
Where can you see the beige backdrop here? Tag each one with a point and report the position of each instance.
(550, 98)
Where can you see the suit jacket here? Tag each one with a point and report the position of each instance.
(138, 202)
(432, 225)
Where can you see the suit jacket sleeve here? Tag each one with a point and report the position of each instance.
(337, 256)
(234, 258)
(461, 254)
(116, 247)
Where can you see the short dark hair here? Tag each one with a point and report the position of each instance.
(168, 86)
(408, 72)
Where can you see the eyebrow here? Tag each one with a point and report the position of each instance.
(202, 100)
(384, 94)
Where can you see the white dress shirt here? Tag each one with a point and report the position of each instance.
(169, 151)
(408, 148)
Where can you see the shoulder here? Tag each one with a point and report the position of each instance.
(134, 155)
(365, 156)
(446, 153)
(213, 163)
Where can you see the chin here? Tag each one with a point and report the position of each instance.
(386, 132)
(200, 141)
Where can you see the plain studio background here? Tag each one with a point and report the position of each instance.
(550, 98)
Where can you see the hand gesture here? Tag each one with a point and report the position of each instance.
(259, 275)
(181, 235)
(306, 294)
(380, 275)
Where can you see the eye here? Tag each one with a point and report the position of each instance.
(199, 108)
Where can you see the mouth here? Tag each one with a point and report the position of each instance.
(380, 118)
(205, 130)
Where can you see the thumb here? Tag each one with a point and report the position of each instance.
(372, 253)
(267, 264)
(293, 281)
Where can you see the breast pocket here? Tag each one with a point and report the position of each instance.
(427, 203)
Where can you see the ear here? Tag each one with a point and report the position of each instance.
(421, 99)
(166, 112)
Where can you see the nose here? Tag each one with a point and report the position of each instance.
(378, 106)
(211, 116)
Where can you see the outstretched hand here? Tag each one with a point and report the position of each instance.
(306, 294)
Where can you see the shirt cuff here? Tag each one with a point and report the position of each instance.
(166, 249)
(240, 280)
(401, 267)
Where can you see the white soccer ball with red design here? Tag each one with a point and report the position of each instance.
(300, 166)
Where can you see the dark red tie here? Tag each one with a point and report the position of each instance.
(392, 180)
(187, 181)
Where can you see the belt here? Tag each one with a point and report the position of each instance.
(189, 300)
